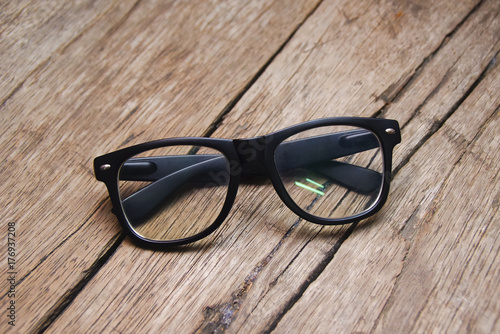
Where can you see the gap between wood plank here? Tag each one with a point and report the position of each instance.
(396, 94)
(71, 294)
(435, 127)
(66, 300)
(443, 185)
(42, 260)
(218, 318)
(113, 245)
(439, 123)
(315, 273)
(428, 58)
(227, 109)
(330, 255)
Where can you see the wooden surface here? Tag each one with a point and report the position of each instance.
(82, 79)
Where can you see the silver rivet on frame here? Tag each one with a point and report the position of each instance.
(105, 167)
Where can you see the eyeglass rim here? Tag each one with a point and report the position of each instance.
(386, 140)
(107, 168)
(118, 158)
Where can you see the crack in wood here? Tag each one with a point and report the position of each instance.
(230, 106)
(437, 124)
(16, 89)
(219, 317)
(128, 116)
(395, 89)
(408, 231)
(409, 225)
(67, 298)
(315, 273)
(398, 88)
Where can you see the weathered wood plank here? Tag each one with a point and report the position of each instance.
(32, 32)
(359, 310)
(223, 280)
(458, 71)
(157, 69)
(415, 267)
(451, 271)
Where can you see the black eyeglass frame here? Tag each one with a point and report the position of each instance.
(107, 169)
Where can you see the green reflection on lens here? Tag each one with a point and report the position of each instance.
(309, 188)
(315, 183)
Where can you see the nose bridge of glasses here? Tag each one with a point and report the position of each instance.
(251, 153)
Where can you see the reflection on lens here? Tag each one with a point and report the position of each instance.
(173, 192)
(332, 171)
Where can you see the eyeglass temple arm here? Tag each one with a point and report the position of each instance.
(318, 153)
(309, 152)
(171, 172)
(148, 198)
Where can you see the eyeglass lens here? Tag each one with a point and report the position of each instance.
(176, 192)
(332, 171)
(173, 192)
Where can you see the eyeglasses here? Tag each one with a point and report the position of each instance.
(176, 191)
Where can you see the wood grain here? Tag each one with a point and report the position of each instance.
(235, 281)
(33, 32)
(128, 72)
(392, 248)
(153, 62)
(452, 265)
